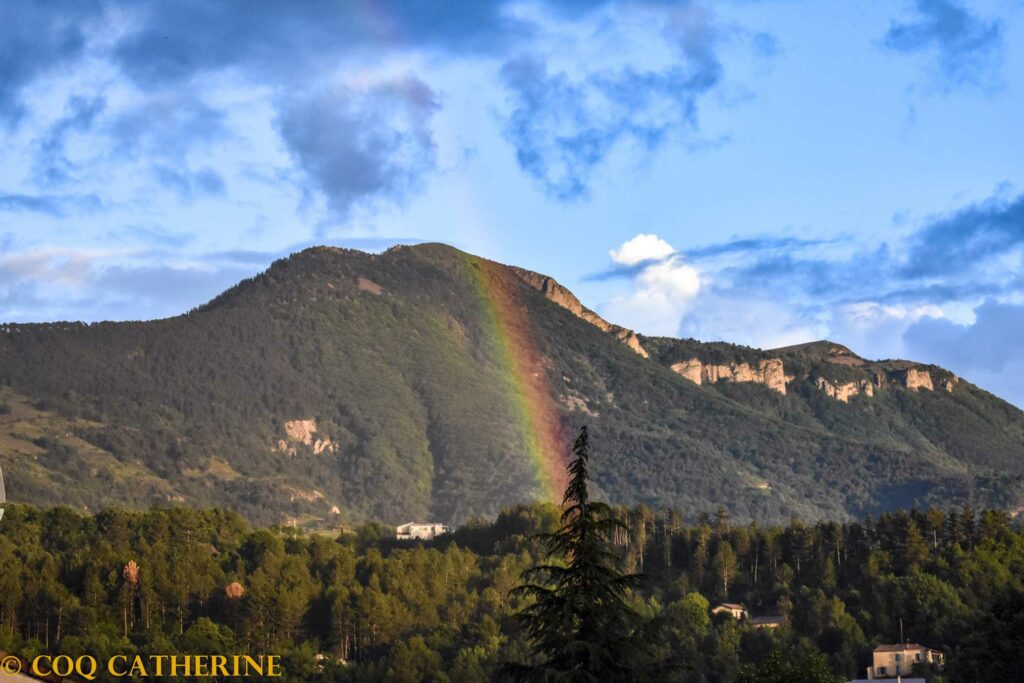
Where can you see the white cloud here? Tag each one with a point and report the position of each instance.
(673, 278)
(871, 313)
(750, 319)
(643, 247)
(876, 330)
(662, 291)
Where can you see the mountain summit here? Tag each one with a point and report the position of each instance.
(426, 382)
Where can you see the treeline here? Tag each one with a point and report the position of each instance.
(364, 607)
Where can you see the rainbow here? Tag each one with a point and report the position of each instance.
(523, 365)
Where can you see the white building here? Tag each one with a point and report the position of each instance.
(732, 609)
(899, 659)
(417, 531)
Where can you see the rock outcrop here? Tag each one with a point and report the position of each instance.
(769, 372)
(567, 300)
(304, 432)
(915, 379)
(844, 391)
(370, 286)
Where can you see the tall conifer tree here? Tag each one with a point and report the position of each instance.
(580, 624)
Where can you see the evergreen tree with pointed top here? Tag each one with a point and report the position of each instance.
(580, 624)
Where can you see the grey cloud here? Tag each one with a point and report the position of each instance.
(969, 49)
(626, 272)
(358, 145)
(755, 244)
(968, 238)
(174, 41)
(987, 344)
(563, 128)
(161, 131)
(52, 167)
(987, 352)
(279, 43)
(162, 290)
(50, 204)
(187, 184)
(33, 203)
(66, 284)
(35, 37)
(949, 258)
(768, 262)
(165, 126)
(151, 236)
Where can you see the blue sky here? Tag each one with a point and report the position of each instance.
(765, 172)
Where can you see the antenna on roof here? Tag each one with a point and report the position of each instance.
(3, 496)
(901, 631)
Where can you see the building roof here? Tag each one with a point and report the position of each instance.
(890, 680)
(901, 647)
(768, 620)
(730, 605)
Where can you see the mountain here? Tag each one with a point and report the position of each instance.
(427, 383)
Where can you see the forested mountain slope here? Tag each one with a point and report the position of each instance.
(425, 382)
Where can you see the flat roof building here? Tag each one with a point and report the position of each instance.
(900, 658)
(417, 531)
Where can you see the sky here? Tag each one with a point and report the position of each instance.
(765, 172)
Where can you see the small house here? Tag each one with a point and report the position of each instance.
(899, 659)
(415, 531)
(731, 608)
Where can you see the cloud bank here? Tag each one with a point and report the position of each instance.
(947, 293)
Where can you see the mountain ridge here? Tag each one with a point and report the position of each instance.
(339, 386)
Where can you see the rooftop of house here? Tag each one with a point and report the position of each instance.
(768, 620)
(902, 647)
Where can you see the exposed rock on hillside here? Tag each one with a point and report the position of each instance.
(303, 432)
(915, 379)
(769, 372)
(567, 300)
(844, 391)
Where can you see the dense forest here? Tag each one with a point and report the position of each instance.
(362, 606)
(314, 391)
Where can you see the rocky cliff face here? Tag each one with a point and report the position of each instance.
(917, 379)
(843, 391)
(769, 372)
(303, 432)
(567, 300)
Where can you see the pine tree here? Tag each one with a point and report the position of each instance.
(580, 625)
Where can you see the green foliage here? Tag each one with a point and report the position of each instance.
(397, 360)
(361, 607)
(579, 621)
(810, 668)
